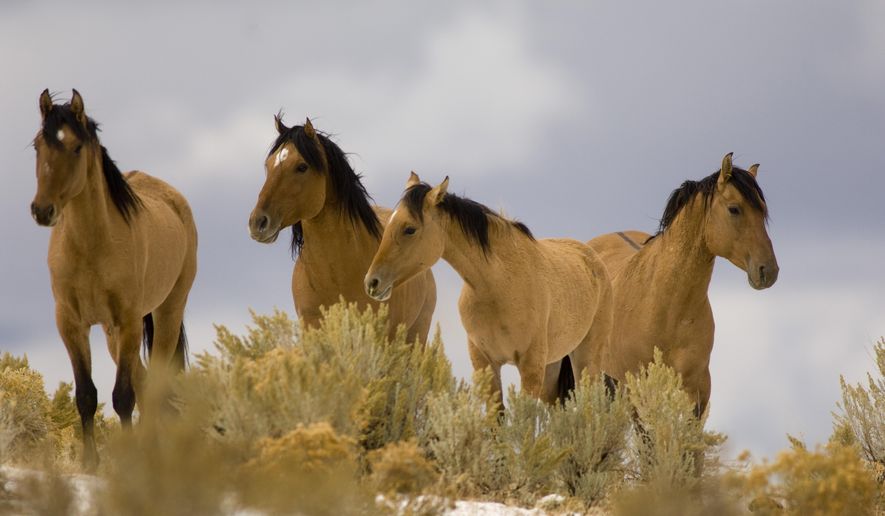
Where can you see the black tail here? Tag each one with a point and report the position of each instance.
(179, 358)
(566, 382)
(147, 336)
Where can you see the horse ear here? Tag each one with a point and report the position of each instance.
(413, 179)
(438, 193)
(753, 170)
(725, 172)
(309, 130)
(45, 103)
(278, 122)
(77, 107)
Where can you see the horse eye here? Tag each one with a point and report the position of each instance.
(77, 150)
(409, 230)
(302, 167)
(734, 210)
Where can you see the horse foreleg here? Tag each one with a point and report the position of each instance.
(112, 335)
(532, 368)
(76, 338)
(127, 363)
(481, 361)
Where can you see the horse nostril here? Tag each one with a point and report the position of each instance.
(762, 272)
(50, 211)
(373, 283)
(262, 223)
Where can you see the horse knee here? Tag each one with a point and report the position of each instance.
(124, 398)
(87, 400)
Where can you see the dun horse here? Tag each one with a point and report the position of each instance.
(122, 254)
(335, 230)
(525, 302)
(660, 282)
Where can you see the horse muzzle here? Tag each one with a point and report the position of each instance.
(763, 276)
(261, 229)
(44, 215)
(377, 289)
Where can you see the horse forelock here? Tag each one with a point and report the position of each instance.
(742, 180)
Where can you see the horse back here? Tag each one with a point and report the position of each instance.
(615, 249)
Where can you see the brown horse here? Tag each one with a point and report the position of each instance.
(526, 302)
(122, 254)
(660, 282)
(335, 230)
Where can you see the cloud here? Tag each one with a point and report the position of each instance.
(476, 102)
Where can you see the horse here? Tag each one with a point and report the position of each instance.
(122, 253)
(311, 187)
(524, 301)
(660, 281)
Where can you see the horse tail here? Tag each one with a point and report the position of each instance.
(179, 357)
(566, 382)
(147, 336)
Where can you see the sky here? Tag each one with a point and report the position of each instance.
(577, 118)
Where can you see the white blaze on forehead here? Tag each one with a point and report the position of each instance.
(281, 156)
(60, 135)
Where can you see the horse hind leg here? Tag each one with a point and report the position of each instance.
(169, 347)
(76, 339)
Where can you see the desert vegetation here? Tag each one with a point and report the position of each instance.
(342, 420)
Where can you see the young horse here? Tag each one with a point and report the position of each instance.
(335, 230)
(122, 254)
(660, 283)
(526, 302)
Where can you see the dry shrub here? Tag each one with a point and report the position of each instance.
(401, 468)
(531, 455)
(25, 424)
(166, 464)
(310, 470)
(461, 438)
(863, 411)
(669, 443)
(593, 427)
(832, 479)
(280, 377)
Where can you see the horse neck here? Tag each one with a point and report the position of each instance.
(87, 216)
(481, 271)
(332, 237)
(682, 264)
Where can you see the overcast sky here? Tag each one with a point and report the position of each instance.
(578, 119)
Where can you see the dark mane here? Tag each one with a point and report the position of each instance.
(124, 198)
(472, 216)
(352, 195)
(742, 180)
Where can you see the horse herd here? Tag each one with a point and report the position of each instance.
(122, 254)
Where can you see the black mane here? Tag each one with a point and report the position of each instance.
(348, 187)
(742, 180)
(60, 115)
(472, 216)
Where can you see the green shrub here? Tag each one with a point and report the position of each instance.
(593, 427)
